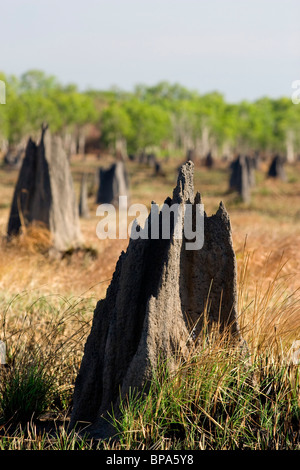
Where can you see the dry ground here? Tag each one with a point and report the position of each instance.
(266, 237)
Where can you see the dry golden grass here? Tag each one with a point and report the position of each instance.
(46, 303)
(266, 237)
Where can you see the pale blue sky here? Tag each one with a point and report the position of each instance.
(243, 48)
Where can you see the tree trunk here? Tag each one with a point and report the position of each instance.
(290, 151)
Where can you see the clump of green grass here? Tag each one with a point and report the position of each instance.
(43, 337)
(223, 399)
(25, 392)
(214, 401)
(217, 402)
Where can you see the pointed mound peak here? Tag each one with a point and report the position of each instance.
(184, 190)
(223, 215)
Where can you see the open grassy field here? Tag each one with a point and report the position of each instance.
(46, 308)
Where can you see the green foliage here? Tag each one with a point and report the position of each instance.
(158, 115)
(75, 109)
(151, 124)
(115, 124)
(37, 98)
(15, 116)
(37, 80)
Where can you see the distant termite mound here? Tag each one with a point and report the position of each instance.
(159, 300)
(113, 182)
(276, 169)
(242, 177)
(44, 193)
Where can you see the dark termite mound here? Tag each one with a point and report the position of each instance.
(276, 168)
(113, 182)
(157, 304)
(242, 177)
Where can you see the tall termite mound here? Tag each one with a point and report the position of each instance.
(155, 307)
(44, 193)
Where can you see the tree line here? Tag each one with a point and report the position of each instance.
(167, 117)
